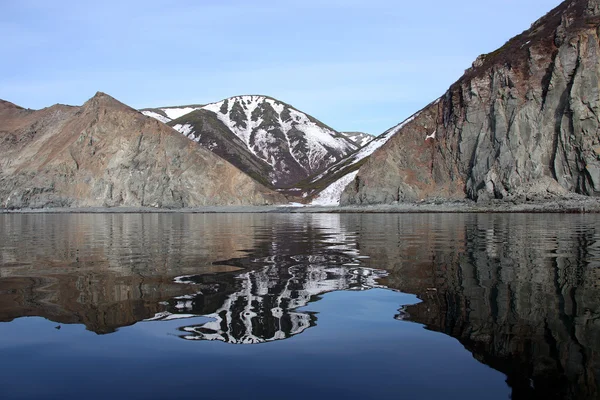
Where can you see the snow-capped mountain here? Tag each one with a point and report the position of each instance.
(284, 144)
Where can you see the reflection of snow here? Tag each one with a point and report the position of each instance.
(336, 234)
(263, 308)
(185, 279)
(167, 316)
(261, 304)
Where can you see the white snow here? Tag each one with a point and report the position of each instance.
(157, 116)
(175, 113)
(332, 193)
(167, 316)
(364, 141)
(187, 130)
(359, 138)
(432, 136)
(292, 204)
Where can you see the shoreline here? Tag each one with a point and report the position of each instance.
(579, 206)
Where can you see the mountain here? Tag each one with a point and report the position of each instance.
(105, 153)
(282, 144)
(521, 124)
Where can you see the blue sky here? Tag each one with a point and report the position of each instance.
(355, 65)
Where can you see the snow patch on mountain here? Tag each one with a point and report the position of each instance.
(188, 131)
(332, 194)
(175, 113)
(157, 116)
(359, 138)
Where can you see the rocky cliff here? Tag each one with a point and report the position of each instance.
(108, 154)
(521, 124)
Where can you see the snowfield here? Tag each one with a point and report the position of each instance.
(187, 130)
(332, 194)
(157, 116)
(359, 138)
(175, 113)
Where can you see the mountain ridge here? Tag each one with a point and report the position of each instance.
(105, 153)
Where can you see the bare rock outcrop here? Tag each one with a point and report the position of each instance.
(522, 123)
(106, 154)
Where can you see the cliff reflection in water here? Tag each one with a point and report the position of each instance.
(521, 292)
(109, 271)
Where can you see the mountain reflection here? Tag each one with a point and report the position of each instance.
(264, 307)
(520, 292)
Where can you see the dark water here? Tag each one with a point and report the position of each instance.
(292, 306)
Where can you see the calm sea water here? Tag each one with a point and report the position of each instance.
(290, 306)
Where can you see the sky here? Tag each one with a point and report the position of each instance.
(355, 65)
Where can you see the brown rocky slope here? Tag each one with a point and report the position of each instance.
(106, 154)
(522, 123)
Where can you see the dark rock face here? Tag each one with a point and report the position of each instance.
(522, 123)
(107, 154)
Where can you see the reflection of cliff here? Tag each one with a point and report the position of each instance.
(108, 271)
(263, 308)
(521, 292)
(148, 244)
(101, 302)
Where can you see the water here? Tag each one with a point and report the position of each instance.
(286, 306)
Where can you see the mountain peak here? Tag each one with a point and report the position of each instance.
(545, 35)
(103, 100)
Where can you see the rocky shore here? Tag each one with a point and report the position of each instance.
(576, 204)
